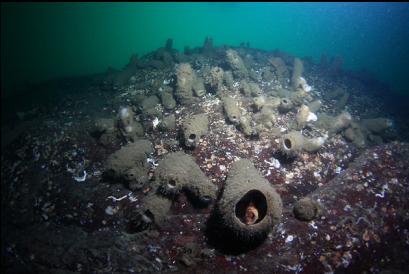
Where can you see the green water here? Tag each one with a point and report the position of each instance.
(46, 40)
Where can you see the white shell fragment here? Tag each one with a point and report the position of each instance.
(81, 178)
(155, 122)
(312, 117)
(152, 162)
(289, 239)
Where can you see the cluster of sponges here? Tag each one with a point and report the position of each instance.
(175, 173)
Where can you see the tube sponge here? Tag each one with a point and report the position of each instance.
(377, 125)
(285, 105)
(231, 109)
(128, 126)
(294, 142)
(194, 127)
(249, 206)
(236, 64)
(184, 83)
(334, 124)
(155, 208)
(296, 79)
(178, 171)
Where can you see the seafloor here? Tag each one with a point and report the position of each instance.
(55, 222)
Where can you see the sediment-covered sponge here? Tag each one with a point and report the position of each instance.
(214, 79)
(356, 134)
(259, 102)
(195, 127)
(104, 131)
(307, 209)
(245, 88)
(151, 107)
(315, 105)
(249, 206)
(255, 90)
(228, 79)
(130, 129)
(265, 117)
(178, 171)
(296, 78)
(231, 109)
(185, 77)
(280, 69)
(303, 116)
(246, 127)
(285, 105)
(198, 87)
(334, 124)
(236, 64)
(294, 142)
(168, 101)
(154, 209)
(377, 125)
(129, 164)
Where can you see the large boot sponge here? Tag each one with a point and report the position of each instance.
(249, 206)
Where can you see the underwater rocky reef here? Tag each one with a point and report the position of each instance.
(215, 160)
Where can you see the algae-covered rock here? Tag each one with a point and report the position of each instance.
(129, 164)
(306, 209)
(231, 109)
(184, 83)
(195, 127)
(249, 206)
(236, 64)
